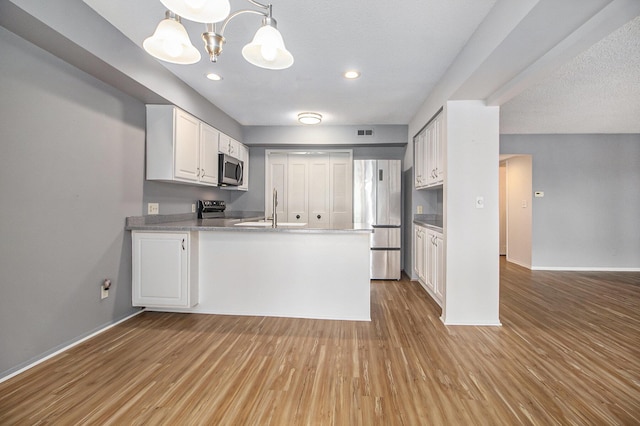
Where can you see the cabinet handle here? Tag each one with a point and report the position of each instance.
(183, 244)
(297, 216)
(202, 171)
(319, 217)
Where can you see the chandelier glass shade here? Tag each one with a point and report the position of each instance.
(170, 42)
(267, 50)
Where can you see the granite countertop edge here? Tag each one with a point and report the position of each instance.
(430, 221)
(189, 222)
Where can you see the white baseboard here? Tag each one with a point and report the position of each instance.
(583, 269)
(475, 324)
(69, 346)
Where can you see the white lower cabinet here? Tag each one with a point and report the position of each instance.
(165, 269)
(428, 261)
(419, 256)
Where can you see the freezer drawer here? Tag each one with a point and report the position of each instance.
(385, 237)
(385, 264)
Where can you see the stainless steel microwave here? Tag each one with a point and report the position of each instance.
(229, 170)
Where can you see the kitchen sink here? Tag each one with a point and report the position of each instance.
(266, 224)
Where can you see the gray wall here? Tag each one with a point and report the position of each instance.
(588, 217)
(323, 135)
(71, 170)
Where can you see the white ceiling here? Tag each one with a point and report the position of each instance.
(401, 48)
(596, 92)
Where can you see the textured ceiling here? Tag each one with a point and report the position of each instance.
(596, 92)
(401, 48)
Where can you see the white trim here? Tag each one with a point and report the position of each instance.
(475, 324)
(584, 269)
(69, 346)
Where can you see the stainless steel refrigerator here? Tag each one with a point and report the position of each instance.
(377, 197)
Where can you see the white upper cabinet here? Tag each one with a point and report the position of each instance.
(186, 142)
(429, 146)
(229, 146)
(208, 154)
(419, 163)
(183, 149)
(235, 149)
(243, 155)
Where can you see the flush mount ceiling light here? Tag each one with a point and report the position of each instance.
(351, 74)
(309, 118)
(266, 50)
(213, 76)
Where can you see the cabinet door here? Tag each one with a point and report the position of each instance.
(208, 154)
(430, 273)
(419, 252)
(439, 275)
(341, 192)
(418, 160)
(243, 155)
(161, 269)
(276, 178)
(186, 136)
(319, 189)
(297, 195)
(438, 149)
(224, 144)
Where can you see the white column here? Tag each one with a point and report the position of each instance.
(471, 233)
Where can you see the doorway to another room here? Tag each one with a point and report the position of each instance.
(516, 190)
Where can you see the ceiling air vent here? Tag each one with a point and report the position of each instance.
(367, 132)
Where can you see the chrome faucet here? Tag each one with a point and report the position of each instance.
(274, 215)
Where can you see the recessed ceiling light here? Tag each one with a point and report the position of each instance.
(351, 74)
(213, 76)
(309, 118)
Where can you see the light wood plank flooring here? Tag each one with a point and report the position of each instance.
(568, 353)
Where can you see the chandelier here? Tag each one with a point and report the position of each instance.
(170, 41)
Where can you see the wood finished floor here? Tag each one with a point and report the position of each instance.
(568, 353)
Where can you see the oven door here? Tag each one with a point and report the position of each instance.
(230, 170)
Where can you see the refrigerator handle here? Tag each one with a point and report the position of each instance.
(380, 173)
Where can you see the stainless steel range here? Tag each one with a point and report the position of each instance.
(211, 209)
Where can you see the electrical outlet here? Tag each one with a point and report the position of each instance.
(104, 288)
(193, 208)
(153, 208)
(419, 210)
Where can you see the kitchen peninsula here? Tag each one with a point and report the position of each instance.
(183, 264)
